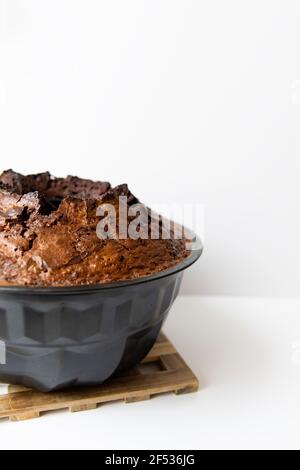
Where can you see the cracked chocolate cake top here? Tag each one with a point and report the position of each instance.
(48, 234)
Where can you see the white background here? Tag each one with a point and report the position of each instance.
(187, 101)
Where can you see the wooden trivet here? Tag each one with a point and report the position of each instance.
(162, 371)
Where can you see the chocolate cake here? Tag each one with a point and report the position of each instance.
(48, 234)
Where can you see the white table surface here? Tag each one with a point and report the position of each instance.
(246, 354)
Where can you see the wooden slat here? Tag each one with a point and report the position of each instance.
(76, 408)
(24, 416)
(172, 362)
(136, 399)
(189, 389)
(17, 388)
(161, 348)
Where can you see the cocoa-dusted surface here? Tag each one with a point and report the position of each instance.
(48, 235)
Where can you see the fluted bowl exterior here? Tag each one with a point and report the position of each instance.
(70, 339)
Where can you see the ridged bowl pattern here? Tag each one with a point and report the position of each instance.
(60, 339)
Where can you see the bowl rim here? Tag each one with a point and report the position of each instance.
(195, 253)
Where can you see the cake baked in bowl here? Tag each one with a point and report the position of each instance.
(48, 234)
(77, 305)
